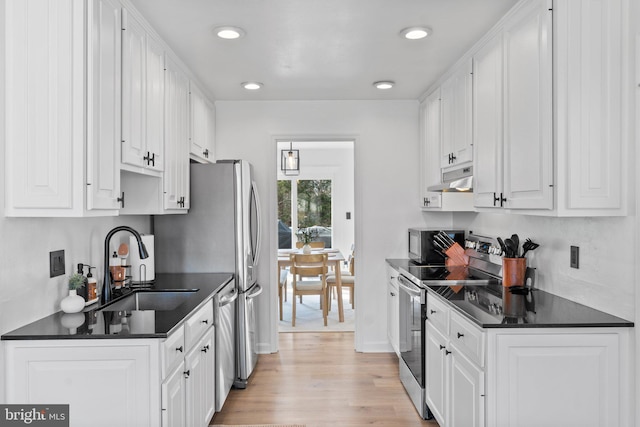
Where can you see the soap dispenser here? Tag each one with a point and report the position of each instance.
(92, 287)
(117, 271)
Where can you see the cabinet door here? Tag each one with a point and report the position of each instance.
(393, 316)
(44, 63)
(200, 382)
(134, 47)
(576, 378)
(173, 399)
(466, 393)
(487, 124)
(85, 376)
(435, 373)
(104, 105)
(176, 174)
(154, 149)
(430, 145)
(201, 112)
(528, 133)
(592, 157)
(456, 100)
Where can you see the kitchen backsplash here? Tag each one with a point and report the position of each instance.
(606, 277)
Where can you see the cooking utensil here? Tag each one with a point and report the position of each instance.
(511, 248)
(516, 243)
(529, 245)
(503, 247)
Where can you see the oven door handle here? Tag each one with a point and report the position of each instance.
(409, 287)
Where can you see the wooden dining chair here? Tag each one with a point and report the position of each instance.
(313, 268)
(347, 279)
(314, 245)
(282, 287)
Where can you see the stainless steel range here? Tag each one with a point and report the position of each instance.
(482, 282)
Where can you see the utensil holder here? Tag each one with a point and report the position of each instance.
(513, 271)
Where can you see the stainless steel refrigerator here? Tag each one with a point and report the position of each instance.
(221, 233)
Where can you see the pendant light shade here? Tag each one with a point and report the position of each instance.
(290, 161)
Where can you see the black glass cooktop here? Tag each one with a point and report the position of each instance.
(449, 275)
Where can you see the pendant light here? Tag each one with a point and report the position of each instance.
(290, 161)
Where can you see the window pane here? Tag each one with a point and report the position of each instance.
(314, 207)
(284, 214)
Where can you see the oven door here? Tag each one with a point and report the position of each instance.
(412, 301)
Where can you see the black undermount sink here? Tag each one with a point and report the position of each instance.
(150, 300)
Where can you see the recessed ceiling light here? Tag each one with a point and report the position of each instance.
(229, 33)
(386, 84)
(252, 85)
(416, 33)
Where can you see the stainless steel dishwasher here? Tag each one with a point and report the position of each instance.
(224, 314)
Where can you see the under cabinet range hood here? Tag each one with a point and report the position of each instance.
(458, 180)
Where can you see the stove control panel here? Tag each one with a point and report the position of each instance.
(483, 247)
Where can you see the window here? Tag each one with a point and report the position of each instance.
(312, 199)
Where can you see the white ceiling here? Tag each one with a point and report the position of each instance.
(320, 49)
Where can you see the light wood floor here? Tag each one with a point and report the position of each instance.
(318, 379)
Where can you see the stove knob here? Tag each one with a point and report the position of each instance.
(498, 309)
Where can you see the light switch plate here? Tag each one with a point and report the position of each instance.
(56, 263)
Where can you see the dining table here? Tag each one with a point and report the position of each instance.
(335, 258)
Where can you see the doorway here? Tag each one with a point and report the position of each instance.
(318, 196)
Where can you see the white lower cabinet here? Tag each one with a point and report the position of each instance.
(559, 377)
(120, 382)
(200, 382)
(93, 377)
(393, 309)
(519, 377)
(174, 410)
(454, 382)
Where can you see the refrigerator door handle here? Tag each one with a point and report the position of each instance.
(229, 299)
(256, 292)
(256, 253)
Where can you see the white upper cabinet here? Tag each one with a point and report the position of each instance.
(593, 150)
(528, 133)
(513, 163)
(487, 124)
(142, 97)
(176, 173)
(455, 99)
(202, 131)
(63, 108)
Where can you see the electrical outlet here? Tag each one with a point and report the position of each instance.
(56, 263)
(575, 257)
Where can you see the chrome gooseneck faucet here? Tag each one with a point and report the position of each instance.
(106, 283)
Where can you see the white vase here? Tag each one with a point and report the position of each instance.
(306, 249)
(73, 303)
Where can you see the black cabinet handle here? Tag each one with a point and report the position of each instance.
(432, 312)
(496, 199)
(205, 348)
(121, 200)
(442, 347)
(187, 373)
(205, 321)
(460, 335)
(205, 153)
(150, 158)
(447, 352)
(180, 349)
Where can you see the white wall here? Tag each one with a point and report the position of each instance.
(386, 177)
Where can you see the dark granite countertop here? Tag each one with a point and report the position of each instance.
(538, 310)
(93, 323)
